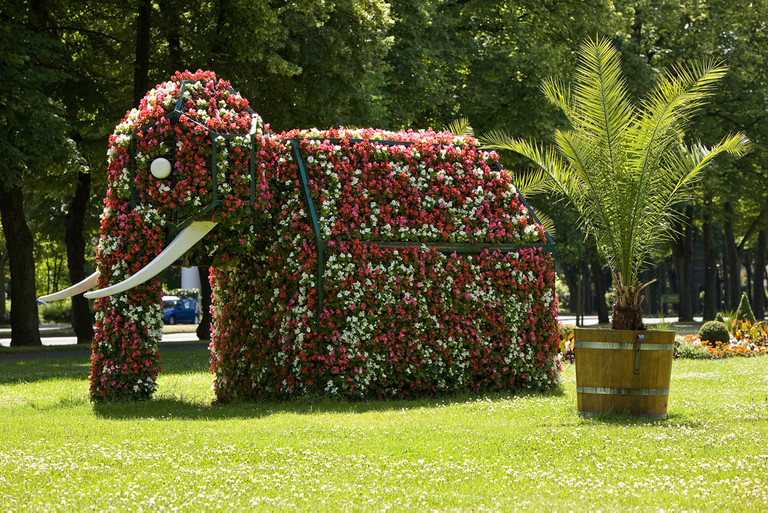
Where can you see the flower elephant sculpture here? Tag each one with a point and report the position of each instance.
(357, 263)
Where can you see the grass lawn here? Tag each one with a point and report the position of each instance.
(526, 452)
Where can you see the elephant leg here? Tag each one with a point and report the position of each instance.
(259, 348)
(235, 316)
(125, 360)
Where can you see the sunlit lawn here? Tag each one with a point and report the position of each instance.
(527, 452)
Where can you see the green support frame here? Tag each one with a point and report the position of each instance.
(441, 247)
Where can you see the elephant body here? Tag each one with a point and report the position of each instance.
(356, 263)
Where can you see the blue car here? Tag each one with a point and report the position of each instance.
(181, 311)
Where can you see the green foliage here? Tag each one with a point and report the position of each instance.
(744, 311)
(185, 293)
(426, 64)
(714, 332)
(691, 351)
(57, 312)
(33, 138)
(301, 64)
(460, 126)
(622, 165)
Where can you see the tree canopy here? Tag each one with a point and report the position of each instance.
(72, 69)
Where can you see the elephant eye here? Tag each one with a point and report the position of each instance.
(160, 168)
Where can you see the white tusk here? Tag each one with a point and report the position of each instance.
(187, 238)
(87, 284)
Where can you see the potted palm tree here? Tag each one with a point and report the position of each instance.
(624, 167)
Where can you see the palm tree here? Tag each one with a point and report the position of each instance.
(624, 166)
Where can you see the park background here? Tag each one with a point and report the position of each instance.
(71, 70)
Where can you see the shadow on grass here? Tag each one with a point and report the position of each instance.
(182, 408)
(58, 363)
(627, 419)
(180, 405)
(29, 371)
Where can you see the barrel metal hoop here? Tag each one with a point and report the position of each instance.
(622, 391)
(626, 346)
(594, 414)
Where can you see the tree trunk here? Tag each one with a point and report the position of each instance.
(82, 321)
(599, 284)
(650, 304)
(204, 328)
(710, 267)
(25, 326)
(169, 13)
(732, 263)
(758, 285)
(682, 252)
(582, 284)
(141, 64)
(571, 274)
(3, 259)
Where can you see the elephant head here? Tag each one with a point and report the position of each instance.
(186, 169)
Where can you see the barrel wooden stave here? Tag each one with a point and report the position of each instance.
(605, 377)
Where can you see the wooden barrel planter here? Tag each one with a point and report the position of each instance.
(623, 371)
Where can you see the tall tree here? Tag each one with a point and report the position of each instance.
(711, 302)
(96, 71)
(598, 284)
(682, 255)
(761, 260)
(34, 144)
(3, 260)
(427, 65)
(731, 261)
(301, 64)
(82, 320)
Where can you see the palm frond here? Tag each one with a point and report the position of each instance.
(559, 94)
(460, 126)
(545, 221)
(667, 110)
(602, 101)
(684, 167)
(533, 182)
(560, 180)
(622, 165)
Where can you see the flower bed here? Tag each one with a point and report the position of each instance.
(747, 340)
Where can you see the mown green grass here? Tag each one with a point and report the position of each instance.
(504, 452)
